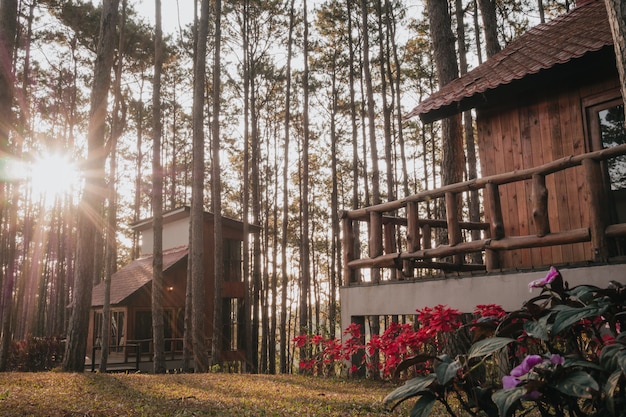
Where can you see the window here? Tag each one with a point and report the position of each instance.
(232, 260)
(612, 133)
(231, 329)
(604, 129)
(116, 328)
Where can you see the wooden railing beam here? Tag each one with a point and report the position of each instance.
(540, 205)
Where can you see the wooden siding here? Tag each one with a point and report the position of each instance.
(528, 132)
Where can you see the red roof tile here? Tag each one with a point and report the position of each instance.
(571, 35)
(135, 275)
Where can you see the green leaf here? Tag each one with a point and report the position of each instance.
(578, 384)
(584, 293)
(612, 357)
(507, 398)
(411, 388)
(488, 346)
(609, 390)
(446, 371)
(538, 329)
(423, 406)
(571, 315)
(407, 363)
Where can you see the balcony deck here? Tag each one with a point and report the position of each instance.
(405, 268)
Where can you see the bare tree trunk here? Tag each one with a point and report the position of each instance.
(158, 327)
(285, 207)
(490, 24)
(201, 359)
(8, 32)
(139, 162)
(472, 173)
(335, 255)
(616, 10)
(304, 246)
(216, 191)
(117, 127)
(92, 200)
(250, 354)
(447, 70)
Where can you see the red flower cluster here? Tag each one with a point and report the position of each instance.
(440, 319)
(397, 343)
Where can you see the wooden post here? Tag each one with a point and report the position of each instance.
(597, 215)
(347, 242)
(496, 225)
(376, 241)
(389, 246)
(412, 235)
(452, 218)
(540, 205)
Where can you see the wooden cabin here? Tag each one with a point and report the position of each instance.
(130, 296)
(551, 144)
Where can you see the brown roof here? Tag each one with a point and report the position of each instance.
(582, 30)
(135, 275)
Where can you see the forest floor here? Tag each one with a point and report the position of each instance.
(214, 394)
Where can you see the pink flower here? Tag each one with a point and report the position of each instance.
(515, 377)
(539, 283)
(527, 364)
(557, 359)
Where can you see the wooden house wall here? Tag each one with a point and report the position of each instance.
(531, 131)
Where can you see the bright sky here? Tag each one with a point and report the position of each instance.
(174, 12)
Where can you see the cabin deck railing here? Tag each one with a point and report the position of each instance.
(405, 243)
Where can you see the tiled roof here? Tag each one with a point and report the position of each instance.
(134, 276)
(584, 29)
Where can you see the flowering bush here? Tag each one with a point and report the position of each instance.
(386, 351)
(565, 348)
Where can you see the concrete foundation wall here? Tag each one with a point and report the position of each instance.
(509, 290)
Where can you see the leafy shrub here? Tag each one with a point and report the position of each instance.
(326, 357)
(35, 354)
(565, 347)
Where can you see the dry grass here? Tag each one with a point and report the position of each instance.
(60, 394)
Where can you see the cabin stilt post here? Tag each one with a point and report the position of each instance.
(597, 215)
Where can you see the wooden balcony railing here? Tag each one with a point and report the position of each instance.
(413, 235)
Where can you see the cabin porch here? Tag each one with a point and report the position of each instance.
(407, 266)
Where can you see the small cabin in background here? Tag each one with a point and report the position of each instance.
(552, 145)
(131, 297)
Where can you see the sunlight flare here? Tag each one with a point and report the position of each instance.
(53, 175)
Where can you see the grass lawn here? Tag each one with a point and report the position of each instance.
(216, 394)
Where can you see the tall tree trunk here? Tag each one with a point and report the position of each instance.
(355, 134)
(371, 116)
(285, 206)
(8, 32)
(117, 127)
(447, 70)
(216, 191)
(335, 254)
(274, 261)
(188, 314)
(391, 23)
(250, 354)
(305, 248)
(371, 112)
(472, 172)
(92, 199)
(138, 171)
(616, 10)
(158, 331)
(490, 25)
(200, 354)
